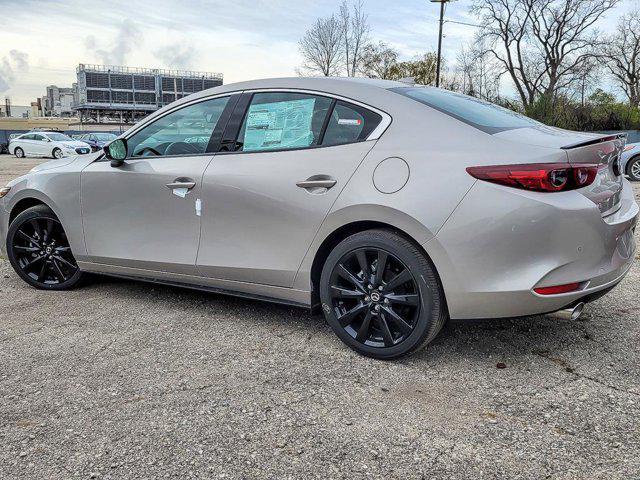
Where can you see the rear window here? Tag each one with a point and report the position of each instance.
(485, 116)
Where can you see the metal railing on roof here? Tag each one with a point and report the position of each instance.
(147, 71)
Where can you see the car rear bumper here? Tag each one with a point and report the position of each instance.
(501, 243)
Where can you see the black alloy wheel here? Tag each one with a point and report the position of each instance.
(381, 295)
(39, 251)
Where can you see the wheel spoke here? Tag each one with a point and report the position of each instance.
(347, 275)
(62, 249)
(364, 266)
(348, 316)
(380, 266)
(26, 249)
(399, 279)
(58, 272)
(363, 331)
(27, 237)
(36, 228)
(397, 320)
(33, 262)
(409, 299)
(43, 270)
(49, 230)
(340, 292)
(386, 333)
(64, 262)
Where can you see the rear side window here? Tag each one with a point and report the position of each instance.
(283, 121)
(485, 116)
(349, 123)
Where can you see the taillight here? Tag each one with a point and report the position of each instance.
(539, 177)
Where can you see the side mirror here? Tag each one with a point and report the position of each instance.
(116, 151)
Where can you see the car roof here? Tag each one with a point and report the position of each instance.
(370, 91)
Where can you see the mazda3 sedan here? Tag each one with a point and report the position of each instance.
(389, 207)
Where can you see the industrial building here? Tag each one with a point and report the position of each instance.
(126, 94)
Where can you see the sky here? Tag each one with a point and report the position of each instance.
(42, 42)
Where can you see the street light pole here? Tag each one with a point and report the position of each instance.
(441, 2)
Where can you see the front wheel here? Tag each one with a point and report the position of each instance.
(18, 152)
(39, 251)
(57, 153)
(381, 295)
(633, 169)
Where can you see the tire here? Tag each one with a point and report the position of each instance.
(39, 252)
(57, 153)
(633, 169)
(409, 289)
(18, 152)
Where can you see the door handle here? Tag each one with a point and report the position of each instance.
(181, 183)
(319, 183)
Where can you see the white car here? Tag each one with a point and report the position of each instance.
(47, 144)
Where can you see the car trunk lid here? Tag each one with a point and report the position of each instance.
(602, 150)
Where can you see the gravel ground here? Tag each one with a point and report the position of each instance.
(129, 380)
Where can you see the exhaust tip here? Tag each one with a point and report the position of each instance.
(577, 311)
(572, 313)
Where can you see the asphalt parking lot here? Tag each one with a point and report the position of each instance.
(128, 380)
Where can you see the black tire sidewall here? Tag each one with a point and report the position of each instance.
(29, 214)
(635, 159)
(429, 291)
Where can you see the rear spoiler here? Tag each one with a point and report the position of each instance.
(595, 141)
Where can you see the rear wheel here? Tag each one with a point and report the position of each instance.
(39, 251)
(633, 169)
(57, 153)
(381, 295)
(18, 152)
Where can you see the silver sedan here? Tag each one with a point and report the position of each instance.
(388, 207)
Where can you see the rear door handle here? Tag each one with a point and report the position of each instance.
(181, 183)
(320, 183)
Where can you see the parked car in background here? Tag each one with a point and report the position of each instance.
(47, 144)
(389, 207)
(96, 140)
(630, 161)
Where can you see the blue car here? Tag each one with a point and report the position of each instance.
(97, 140)
(630, 161)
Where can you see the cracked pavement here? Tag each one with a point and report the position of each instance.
(121, 379)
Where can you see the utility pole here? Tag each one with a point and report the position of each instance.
(441, 2)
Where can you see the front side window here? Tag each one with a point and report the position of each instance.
(183, 132)
(283, 121)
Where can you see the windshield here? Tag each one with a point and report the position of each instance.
(104, 137)
(486, 116)
(59, 137)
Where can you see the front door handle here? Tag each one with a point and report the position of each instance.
(181, 183)
(317, 183)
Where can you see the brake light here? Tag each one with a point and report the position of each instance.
(556, 289)
(538, 177)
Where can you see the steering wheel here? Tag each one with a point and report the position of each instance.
(144, 151)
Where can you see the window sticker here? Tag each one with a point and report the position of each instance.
(350, 121)
(271, 126)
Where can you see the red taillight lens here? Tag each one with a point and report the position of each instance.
(539, 177)
(556, 289)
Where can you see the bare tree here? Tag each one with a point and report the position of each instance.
(422, 69)
(541, 44)
(622, 54)
(478, 71)
(321, 47)
(355, 32)
(378, 61)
